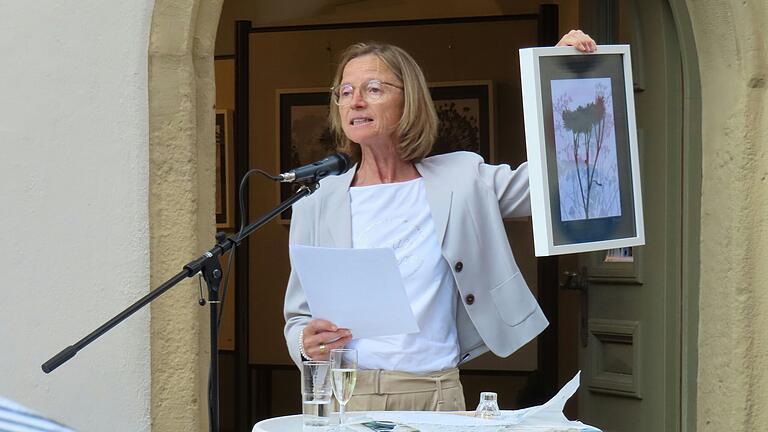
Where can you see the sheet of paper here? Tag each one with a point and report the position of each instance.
(552, 411)
(358, 289)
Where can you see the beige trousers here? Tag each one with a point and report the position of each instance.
(379, 390)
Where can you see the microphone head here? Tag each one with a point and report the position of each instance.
(334, 164)
(345, 162)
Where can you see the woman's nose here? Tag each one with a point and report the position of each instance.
(358, 98)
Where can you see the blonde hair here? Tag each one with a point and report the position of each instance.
(417, 129)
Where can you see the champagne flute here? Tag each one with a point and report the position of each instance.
(344, 377)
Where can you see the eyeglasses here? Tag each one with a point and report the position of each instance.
(372, 91)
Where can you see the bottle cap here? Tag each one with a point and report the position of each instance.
(487, 396)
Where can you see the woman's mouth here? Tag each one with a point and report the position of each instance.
(357, 121)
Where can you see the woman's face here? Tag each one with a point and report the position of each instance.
(364, 120)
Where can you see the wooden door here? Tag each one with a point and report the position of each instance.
(630, 358)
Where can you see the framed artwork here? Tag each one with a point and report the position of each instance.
(466, 113)
(225, 174)
(465, 110)
(621, 266)
(583, 158)
(304, 135)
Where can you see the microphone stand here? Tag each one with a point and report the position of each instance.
(209, 265)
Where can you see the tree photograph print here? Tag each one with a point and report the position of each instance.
(585, 146)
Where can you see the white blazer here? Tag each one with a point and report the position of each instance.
(468, 200)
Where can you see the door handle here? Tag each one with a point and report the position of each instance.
(580, 282)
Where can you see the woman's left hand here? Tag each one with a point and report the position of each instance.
(579, 40)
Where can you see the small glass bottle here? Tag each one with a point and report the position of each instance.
(488, 408)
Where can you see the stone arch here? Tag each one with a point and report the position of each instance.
(181, 204)
(733, 306)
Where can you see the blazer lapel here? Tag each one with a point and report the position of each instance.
(337, 208)
(439, 197)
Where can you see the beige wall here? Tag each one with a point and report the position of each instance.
(225, 83)
(733, 314)
(73, 205)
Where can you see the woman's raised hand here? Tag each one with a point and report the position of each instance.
(321, 336)
(579, 40)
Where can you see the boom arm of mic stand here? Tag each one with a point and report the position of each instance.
(208, 264)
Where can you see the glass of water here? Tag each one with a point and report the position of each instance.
(344, 377)
(316, 395)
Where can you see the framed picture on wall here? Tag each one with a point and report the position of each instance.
(225, 170)
(466, 113)
(583, 158)
(304, 134)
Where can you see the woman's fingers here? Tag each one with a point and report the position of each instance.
(319, 325)
(322, 350)
(321, 336)
(320, 345)
(579, 40)
(326, 337)
(341, 342)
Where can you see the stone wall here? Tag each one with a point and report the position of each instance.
(181, 200)
(733, 314)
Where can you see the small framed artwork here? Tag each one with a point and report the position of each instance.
(304, 134)
(619, 255)
(225, 174)
(620, 266)
(583, 159)
(466, 113)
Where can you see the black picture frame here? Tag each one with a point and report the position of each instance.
(225, 170)
(304, 134)
(466, 112)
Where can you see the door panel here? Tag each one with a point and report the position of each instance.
(630, 366)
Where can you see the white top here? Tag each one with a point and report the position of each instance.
(397, 216)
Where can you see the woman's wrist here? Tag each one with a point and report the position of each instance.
(303, 353)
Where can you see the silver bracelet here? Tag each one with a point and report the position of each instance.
(301, 346)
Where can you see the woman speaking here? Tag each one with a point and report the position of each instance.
(442, 216)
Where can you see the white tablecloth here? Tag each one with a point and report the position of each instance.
(279, 424)
(543, 418)
(424, 421)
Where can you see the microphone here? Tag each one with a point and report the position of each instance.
(335, 164)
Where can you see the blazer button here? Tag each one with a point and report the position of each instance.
(469, 299)
(459, 265)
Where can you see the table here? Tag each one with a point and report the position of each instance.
(293, 423)
(543, 418)
(287, 423)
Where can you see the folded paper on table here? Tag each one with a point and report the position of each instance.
(358, 289)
